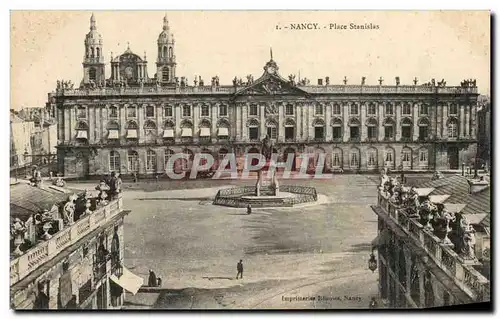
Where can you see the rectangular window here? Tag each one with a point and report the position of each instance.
(223, 110)
(186, 110)
(354, 109)
(253, 133)
(354, 132)
(389, 110)
(150, 111)
(131, 111)
(406, 157)
(424, 109)
(289, 133)
(422, 132)
(113, 112)
(371, 159)
(372, 132)
(406, 132)
(371, 109)
(272, 132)
(406, 109)
(354, 160)
(423, 156)
(205, 110)
(453, 109)
(388, 132)
(82, 112)
(336, 109)
(388, 157)
(319, 133)
(289, 109)
(336, 160)
(318, 110)
(337, 132)
(168, 111)
(253, 110)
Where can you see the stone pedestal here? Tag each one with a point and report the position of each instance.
(266, 185)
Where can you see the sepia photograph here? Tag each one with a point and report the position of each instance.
(250, 160)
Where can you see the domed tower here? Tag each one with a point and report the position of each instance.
(93, 61)
(165, 64)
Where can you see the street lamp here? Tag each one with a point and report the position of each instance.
(25, 156)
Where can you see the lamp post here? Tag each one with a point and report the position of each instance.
(372, 263)
(25, 156)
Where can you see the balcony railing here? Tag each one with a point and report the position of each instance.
(464, 275)
(45, 251)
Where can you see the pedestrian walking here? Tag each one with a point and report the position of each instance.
(239, 268)
(373, 303)
(135, 177)
(157, 176)
(159, 282)
(249, 209)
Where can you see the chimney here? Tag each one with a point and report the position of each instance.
(320, 81)
(477, 185)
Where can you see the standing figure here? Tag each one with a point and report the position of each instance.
(373, 303)
(152, 281)
(239, 268)
(249, 209)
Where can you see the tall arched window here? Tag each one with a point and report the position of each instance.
(151, 160)
(169, 166)
(337, 158)
(98, 52)
(337, 128)
(272, 129)
(406, 109)
(165, 74)
(423, 129)
(114, 161)
(133, 161)
(354, 109)
(372, 109)
(406, 157)
(354, 129)
(164, 54)
(92, 52)
(389, 109)
(150, 131)
(372, 129)
(371, 158)
(170, 52)
(389, 157)
(423, 155)
(354, 158)
(92, 74)
(453, 128)
(406, 128)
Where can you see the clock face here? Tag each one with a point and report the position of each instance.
(129, 73)
(270, 69)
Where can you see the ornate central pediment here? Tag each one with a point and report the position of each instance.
(270, 83)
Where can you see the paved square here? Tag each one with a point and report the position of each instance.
(313, 250)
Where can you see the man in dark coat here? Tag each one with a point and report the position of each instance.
(152, 281)
(239, 268)
(249, 209)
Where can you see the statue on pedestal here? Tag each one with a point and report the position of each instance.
(266, 151)
(69, 210)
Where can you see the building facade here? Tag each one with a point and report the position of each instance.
(433, 243)
(67, 250)
(21, 132)
(130, 122)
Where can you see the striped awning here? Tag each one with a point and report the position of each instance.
(81, 134)
(204, 132)
(223, 131)
(131, 133)
(113, 135)
(169, 133)
(187, 132)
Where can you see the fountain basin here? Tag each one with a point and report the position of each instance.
(289, 196)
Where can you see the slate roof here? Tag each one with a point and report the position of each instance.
(458, 187)
(26, 200)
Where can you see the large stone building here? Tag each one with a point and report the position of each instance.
(21, 133)
(130, 122)
(66, 250)
(434, 243)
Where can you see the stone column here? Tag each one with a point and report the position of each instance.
(159, 120)
(461, 121)
(195, 112)
(328, 121)
(363, 129)
(263, 131)
(214, 115)
(72, 122)
(310, 113)
(415, 127)
(140, 116)
(300, 122)
(244, 118)
(281, 121)
(467, 121)
(237, 123)
(345, 121)
(397, 115)
(445, 120)
(177, 109)
(381, 129)
(421, 284)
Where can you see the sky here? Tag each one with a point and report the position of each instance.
(47, 46)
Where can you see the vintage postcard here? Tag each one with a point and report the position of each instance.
(250, 160)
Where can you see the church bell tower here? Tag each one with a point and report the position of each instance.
(93, 61)
(165, 64)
